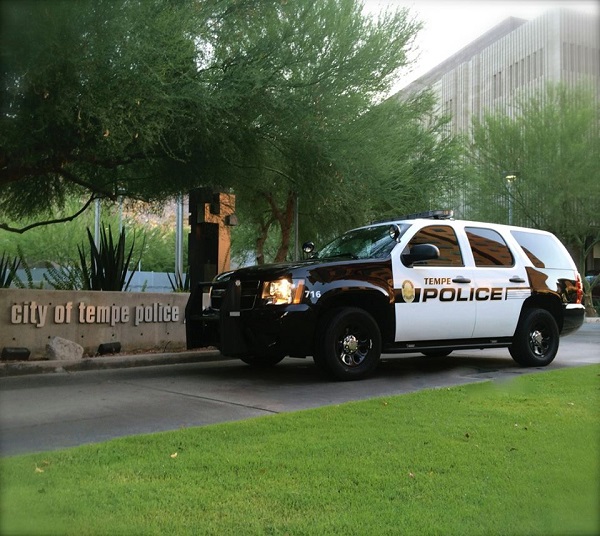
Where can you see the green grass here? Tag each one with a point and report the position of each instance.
(519, 458)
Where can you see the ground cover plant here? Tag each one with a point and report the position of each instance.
(516, 458)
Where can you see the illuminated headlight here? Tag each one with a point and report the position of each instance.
(283, 291)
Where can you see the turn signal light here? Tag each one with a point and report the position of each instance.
(579, 289)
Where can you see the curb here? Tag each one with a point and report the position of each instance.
(21, 368)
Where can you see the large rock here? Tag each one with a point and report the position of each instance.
(63, 349)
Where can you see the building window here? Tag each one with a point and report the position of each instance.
(522, 72)
(497, 85)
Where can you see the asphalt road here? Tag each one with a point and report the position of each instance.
(53, 411)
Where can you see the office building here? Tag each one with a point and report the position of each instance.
(514, 59)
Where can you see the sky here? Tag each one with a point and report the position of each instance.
(450, 25)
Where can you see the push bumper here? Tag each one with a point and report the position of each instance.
(269, 330)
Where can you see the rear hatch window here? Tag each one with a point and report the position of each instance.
(543, 250)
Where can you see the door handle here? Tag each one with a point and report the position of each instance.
(461, 279)
(516, 279)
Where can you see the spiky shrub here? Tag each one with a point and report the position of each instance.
(108, 264)
(28, 278)
(8, 270)
(180, 283)
(64, 277)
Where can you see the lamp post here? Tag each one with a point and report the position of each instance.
(97, 223)
(511, 177)
(179, 237)
(296, 229)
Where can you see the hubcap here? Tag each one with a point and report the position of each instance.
(537, 342)
(352, 349)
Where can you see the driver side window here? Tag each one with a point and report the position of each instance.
(445, 239)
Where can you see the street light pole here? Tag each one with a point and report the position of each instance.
(179, 237)
(97, 223)
(296, 229)
(510, 177)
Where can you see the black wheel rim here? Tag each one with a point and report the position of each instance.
(540, 339)
(353, 346)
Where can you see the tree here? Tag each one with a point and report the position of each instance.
(148, 98)
(318, 131)
(540, 167)
(104, 98)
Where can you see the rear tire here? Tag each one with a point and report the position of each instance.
(535, 343)
(350, 345)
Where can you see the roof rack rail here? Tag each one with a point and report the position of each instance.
(428, 214)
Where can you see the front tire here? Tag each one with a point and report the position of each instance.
(350, 346)
(535, 343)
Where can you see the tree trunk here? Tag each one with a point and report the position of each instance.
(286, 222)
(263, 227)
(285, 219)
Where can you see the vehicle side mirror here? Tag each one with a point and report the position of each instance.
(395, 232)
(308, 248)
(421, 252)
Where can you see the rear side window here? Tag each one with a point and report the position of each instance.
(445, 239)
(544, 251)
(488, 247)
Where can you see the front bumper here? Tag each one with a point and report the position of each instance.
(263, 330)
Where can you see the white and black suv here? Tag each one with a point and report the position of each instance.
(422, 283)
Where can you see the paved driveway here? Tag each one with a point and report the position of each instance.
(51, 411)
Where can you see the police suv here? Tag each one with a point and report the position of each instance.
(422, 283)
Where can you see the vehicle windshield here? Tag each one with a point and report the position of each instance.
(373, 242)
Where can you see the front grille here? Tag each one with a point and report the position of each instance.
(249, 294)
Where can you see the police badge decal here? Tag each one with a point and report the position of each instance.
(408, 291)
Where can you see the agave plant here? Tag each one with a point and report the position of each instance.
(180, 283)
(108, 265)
(8, 270)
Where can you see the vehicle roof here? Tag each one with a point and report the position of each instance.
(452, 222)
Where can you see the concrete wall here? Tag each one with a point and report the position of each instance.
(138, 320)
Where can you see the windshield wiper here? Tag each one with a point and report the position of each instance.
(347, 254)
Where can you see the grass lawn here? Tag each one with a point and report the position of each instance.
(518, 458)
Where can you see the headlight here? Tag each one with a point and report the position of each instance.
(283, 291)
